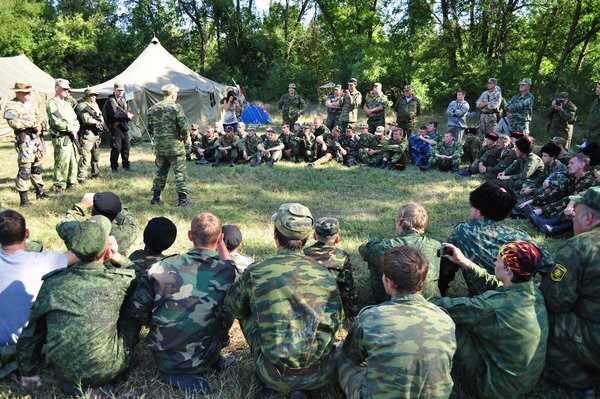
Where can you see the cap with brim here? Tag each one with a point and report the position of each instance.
(336, 128)
(169, 89)
(90, 238)
(492, 80)
(119, 86)
(376, 84)
(337, 86)
(349, 127)
(292, 86)
(63, 83)
(590, 197)
(562, 95)
(307, 125)
(559, 140)
(525, 81)
(352, 80)
(492, 136)
(251, 128)
(363, 126)
(229, 128)
(294, 221)
(407, 88)
(379, 130)
(327, 227)
(89, 92)
(21, 87)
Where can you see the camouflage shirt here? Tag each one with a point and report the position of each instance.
(350, 107)
(455, 150)
(490, 155)
(181, 300)
(89, 116)
(61, 116)
(350, 144)
(407, 111)
(20, 115)
(224, 141)
(287, 140)
(520, 108)
(472, 148)
(506, 158)
(168, 126)
(554, 201)
(493, 99)
(407, 346)
(524, 168)
(508, 329)
(560, 120)
(374, 102)
(593, 121)
(290, 106)
(249, 144)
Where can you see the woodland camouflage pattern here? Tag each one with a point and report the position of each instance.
(522, 169)
(520, 109)
(554, 201)
(168, 126)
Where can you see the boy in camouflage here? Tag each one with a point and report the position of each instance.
(324, 251)
(527, 165)
(401, 348)
(445, 155)
(160, 233)
(270, 149)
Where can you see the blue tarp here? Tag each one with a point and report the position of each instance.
(256, 115)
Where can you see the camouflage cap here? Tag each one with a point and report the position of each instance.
(327, 227)
(590, 197)
(293, 220)
(407, 88)
(562, 95)
(307, 125)
(251, 128)
(493, 80)
(336, 127)
(90, 238)
(89, 92)
(337, 86)
(63, 83)
(292, 86)
(169, 89)
(363, 126)
(376, 84)
(525, 81)
(379, 130)
(559, 140)
(352, 81)
(119, 86)
(23, 87)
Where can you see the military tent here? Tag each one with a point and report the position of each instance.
(21, 69)
(154, 68)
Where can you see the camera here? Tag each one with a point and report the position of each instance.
(558, 102)
(444, 251)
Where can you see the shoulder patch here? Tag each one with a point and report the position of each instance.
(558, 272)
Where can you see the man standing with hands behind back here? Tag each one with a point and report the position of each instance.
(117, 116)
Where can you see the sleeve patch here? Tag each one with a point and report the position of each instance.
(558, 272)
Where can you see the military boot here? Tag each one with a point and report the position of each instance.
(39, 192)
(24, 199)
(155, 197)
(182, 199)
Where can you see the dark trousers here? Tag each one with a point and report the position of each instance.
(119, 145)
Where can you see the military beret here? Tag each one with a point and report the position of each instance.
(90, 238)
(492, 136)
(525, 81)
(352, 80)
(470, 130)
(169, 89)
(293, 220)
(493, 80)
(23, 87)
(63, 83)
(327, 227)
(516, 135)
(107, 204)
(379, 130)
(89, 91)
(292, 86)
(562, 95)
(160, 234)
(232, 236)
(590, 197)
(119, 86)
(559, 140)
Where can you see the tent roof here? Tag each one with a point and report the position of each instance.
(21, 69)
(155, 67)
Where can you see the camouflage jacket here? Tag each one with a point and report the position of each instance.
(249, 144)
(418, 147)
(338, 262)
(402, 148)
(407, 345)
(554, 201)
(208, 143)
(374, 102)
(472, 148)
(506, 158)
(350, 107)
(593, 121)
(490, 156)
(291, 106)
(20, 117)
(455, 150)
(124, 228)
(143, 260)
(79, 307)
(555, 173)
(61, 116)
(296, 304)
(520, 109)
(287, 140)
(350, 144)
(524, 168)
(367, 141)
(407, 112)
(493, 100)
(373, 250)
(181, 300)
(223, 141)
(89, 116)
(270, 144)
(508, 326)
(168, 126)
(559, 121)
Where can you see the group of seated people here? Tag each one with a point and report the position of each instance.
(414, 341)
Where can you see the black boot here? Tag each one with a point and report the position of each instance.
(24, 199)
(217, 162)
(155, 198)
(39, 192)
(182, 199)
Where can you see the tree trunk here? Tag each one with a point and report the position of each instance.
(447, 34)
(542, 48)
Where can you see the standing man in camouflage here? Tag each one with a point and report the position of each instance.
(561, 115)
(407, 108)
(570, 293)
(64, 126)
(351, 102)
(520, 107)
(117, 116)
(334, 106)
(375, 107)
(401, 348)
(171, 132)
(593, 120)
(181, 300)
(91, 124)
(29, 142)
(289, 310)
(291, 105)
(488, 104)
(411, 221)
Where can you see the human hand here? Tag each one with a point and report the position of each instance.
(87, 200)
(456, 255)
(31, 382)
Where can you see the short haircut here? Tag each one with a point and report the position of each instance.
(414, 217)
(450, 132)
(493, 199)
(552, 149)
(288, 243)
(463, 91)
(525, 144)
(423, 127)
(434, 123)
(406, 266)
(12, 227)
(206, 228)
(285, 124)
(584, 159)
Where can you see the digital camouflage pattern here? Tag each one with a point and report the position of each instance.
(28, 143)
(90, 118)
(350, 105)
(407, 112)
(419, 150)
(401, 348)
(507, 157)
(333, 113)
(489, 105)
(455, 150)
(181, 301)
(373, 250)
(501, 336)
(555, 200)
(377, 118)
(480, 241)
(561, 122)
(571, 294)
(352, 147)
(472, 149)
(522, 169)
(79, 307)
(291, 107)
(520, 108)
(556, 175)
(62, 120)
(289, 310)
(338, 262)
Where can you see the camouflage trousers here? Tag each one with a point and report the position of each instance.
(65, 162)
(232, 155)
(371, 160)
(374, 122)
(519, 126)
(487, 123)
(375, 274)
(351, 377)
(30, 166)
(8, 360)
(397, 157)
(573, 347)
(90, 157)
(278, 378)
(565, 134)
(332, 120)
(444, 165)
(468, 367)
(303, 152)
(275, 156)
(163, 164)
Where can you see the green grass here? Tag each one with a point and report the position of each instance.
(364, 199)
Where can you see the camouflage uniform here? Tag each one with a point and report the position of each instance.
(593, 121)
(406, 113)
(522, 169)
(304, 146)
(472, 148)
(28, 143)
(143, 260)
(554, 201)
(288, 143)
(168, 126)
(373, 250)
(208, 145)
(571, 294)
(561, 122)
(378, 118)
(500, 335)
(489, 158)
(289, 311)
(349, 112)
(195, 144)
(89, 116)
(333, 113)
(419, 150)
(338, 262)
(488, 120)
(249, 145)
(555, 173)
(62, 121)
(402, 348)
(455, 151)
(374, 144)
(291, 107)
(330, 152)
(507, 157)
(224, 141)
(396, 154)
(520, 108)
(352, 146)
(275, 155)
(181, 301)
(480, 241)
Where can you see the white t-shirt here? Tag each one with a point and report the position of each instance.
(20, 281)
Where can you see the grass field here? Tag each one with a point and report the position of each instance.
(364, 199)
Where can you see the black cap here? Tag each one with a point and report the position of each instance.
(106, 204)
(232, 236)
(160, 234)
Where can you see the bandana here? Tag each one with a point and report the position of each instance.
(523, 258)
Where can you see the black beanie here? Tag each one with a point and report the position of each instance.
(160, 234)
(106, 204)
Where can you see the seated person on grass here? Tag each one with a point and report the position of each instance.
(527, 165)
(232, 236)
(160, 233)
(445, 156)
(490, 154)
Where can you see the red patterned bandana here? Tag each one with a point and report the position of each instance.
(523, 258)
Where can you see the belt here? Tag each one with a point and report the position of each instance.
(488, 113)
(279, 371)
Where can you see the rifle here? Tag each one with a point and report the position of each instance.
(103, 128)
(69, 135)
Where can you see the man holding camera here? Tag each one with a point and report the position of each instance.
(561, 115)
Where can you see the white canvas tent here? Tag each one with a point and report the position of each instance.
(154, 68)
(21, 69)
